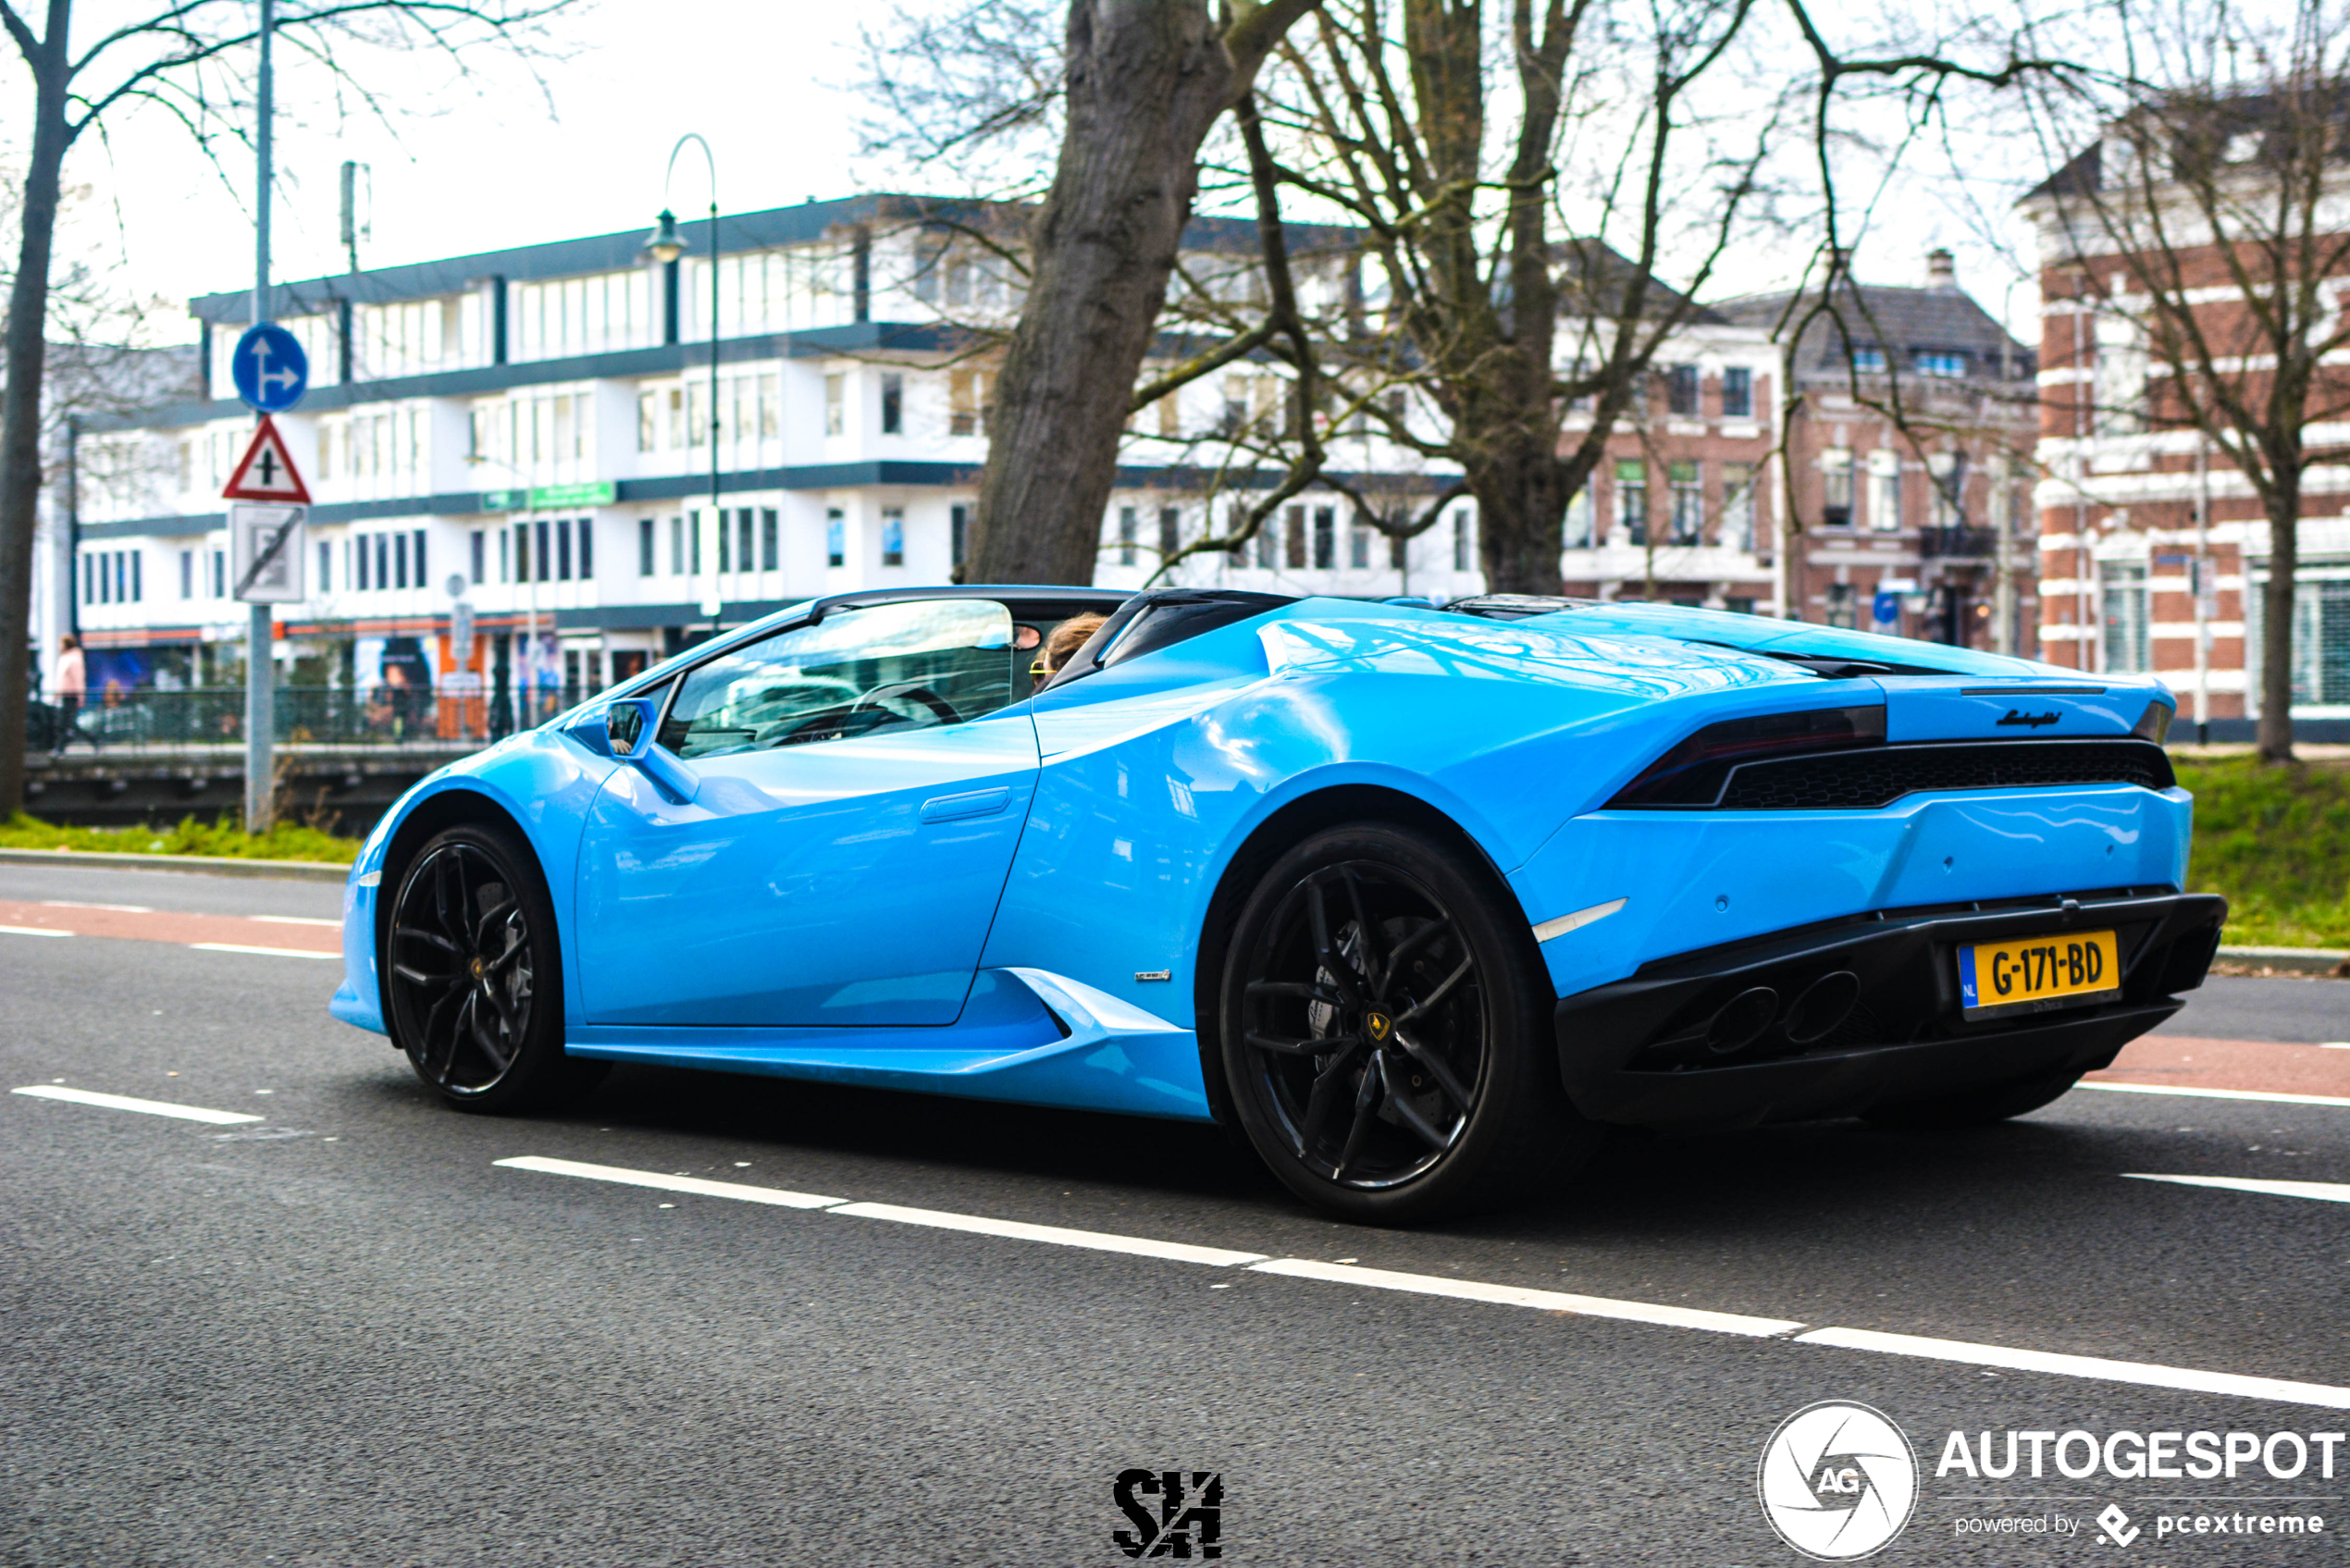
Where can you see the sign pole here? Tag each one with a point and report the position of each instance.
(261, 707)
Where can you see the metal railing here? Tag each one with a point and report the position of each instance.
(451, 717)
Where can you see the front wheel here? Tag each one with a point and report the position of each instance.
(1385, 1032)
(472, 974)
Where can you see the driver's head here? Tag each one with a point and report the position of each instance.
(1064, 640)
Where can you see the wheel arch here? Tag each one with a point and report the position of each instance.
(443, 809)
(1265, 844)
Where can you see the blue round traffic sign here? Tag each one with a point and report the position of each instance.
(269, 368)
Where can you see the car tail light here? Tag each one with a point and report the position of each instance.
(2154, 724)
(1693, 772)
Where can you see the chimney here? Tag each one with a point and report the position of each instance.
(1941, 270)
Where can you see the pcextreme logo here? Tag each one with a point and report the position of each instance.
(1837, 1480)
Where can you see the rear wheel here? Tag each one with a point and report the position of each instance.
(1976, 1108)
(472, 974)
(1385, 1029)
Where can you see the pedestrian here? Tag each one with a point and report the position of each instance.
(73, 683)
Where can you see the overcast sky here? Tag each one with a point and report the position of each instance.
(462, 169)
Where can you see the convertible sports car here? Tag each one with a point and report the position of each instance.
(1415, 897)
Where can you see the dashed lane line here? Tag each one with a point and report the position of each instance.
(2009, 1358)
(126, 1102)
(2277, 1097)
(294, 920)
(264, 952)
(2324, 1191)
(32, 931)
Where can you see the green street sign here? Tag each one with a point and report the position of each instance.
(543, 498)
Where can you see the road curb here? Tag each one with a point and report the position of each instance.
(202, 865)
(2293, 960)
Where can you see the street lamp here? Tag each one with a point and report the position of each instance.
(666, 244)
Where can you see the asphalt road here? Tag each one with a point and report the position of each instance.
(340, 1334)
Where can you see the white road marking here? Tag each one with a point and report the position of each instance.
(2142, 1373)
(737, 1190)
(77, 903)
(1516, 1295)
(295, 921)
(2273, 1096)
(2333, 1044)
(1138, 1246)
(264, 951)
(125, 1103)
(2324, 1191)
(33, 931)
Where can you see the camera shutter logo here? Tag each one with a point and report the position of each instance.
(1837, 1480)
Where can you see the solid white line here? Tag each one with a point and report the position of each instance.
(294, 920)
(76, 903)
(737, 1190)
(264, 951)
(1137, 1246)
(2324, 1191)
(2138, 1371)
(2333, 1044)
(1516, 1295)
(33, 931)
(125, 1103)
(2275, 1097)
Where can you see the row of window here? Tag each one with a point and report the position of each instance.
(1682, 391)
(1947, 363)
(1686, 508)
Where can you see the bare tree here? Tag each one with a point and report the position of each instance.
(187, 58)
(2199, 221)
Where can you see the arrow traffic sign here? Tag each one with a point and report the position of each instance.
(269, 368)
(267, 471)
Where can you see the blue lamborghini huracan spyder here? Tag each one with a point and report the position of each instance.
(1416, 897)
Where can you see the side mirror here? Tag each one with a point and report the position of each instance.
(627, 724)
(627, 733)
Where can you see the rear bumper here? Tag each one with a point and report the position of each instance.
(1643, 1051)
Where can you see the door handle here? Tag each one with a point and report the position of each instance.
(974, 803)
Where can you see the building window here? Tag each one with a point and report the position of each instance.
(836, 404)
(744, 520)
(220, 574)
(771, 544)
(959, 535)
(480, 550)
(2123, 587)
(1325, 538)
(1579, 518)
(1842, 603)
(1681, 390)
(1945, 472)
(770, 407)
(1632, 498)
(1835, 487)
(676, 547)
(1868, 361)
(400, 561)
(893, 539)
(1938, 361)
(647, 422)
(562, 549)
(644, 546)
(967, 397)
(1170, 532)
(1126, 536)
(1293, 552)
(1267, 546)
(360, 578)
(545, 562)
(893, 404)
(693, 541)
(1464, 548)
(586, 548)
(1687, 481)
(1737, 505)
(325, 582)
(1358, 545)
(421, 579)
(187, 573)
(1885, 490)
(1738, 392)
(1738, 605)
(835, 538)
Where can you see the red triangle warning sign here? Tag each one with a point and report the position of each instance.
(266, 472)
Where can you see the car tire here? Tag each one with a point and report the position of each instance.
(1385, 1032)
(473, 975)
(1977, 1107)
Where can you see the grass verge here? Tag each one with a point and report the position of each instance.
(2276, 843)
(224, 838)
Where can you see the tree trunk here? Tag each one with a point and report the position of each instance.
(25, 345)
(1145, 81)
(1520, 488)
(2275, 733)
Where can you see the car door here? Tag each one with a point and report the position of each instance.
(862, 785)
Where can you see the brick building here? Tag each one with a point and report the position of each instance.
(1924, 515)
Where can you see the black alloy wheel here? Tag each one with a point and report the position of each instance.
(473, 977)
(1385, 1032)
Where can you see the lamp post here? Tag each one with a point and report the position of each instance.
(665, 245)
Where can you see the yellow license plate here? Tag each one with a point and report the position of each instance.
(2034, 973)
